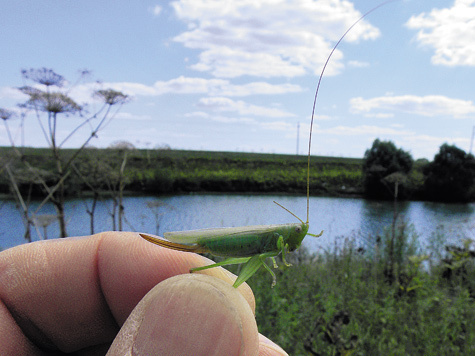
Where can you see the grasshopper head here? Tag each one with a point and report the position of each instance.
(296, 235)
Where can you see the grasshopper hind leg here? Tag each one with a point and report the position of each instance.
(251, 265)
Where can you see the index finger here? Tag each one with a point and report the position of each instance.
(69, 294)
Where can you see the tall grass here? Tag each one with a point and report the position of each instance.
(348, 300)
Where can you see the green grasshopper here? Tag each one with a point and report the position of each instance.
(250, 245)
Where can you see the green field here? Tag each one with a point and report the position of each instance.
(177, 171)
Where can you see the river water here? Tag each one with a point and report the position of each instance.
(340, 218)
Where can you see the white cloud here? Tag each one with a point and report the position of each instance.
(254, 88)
(221, 104)
(155, 10)
(129, 116)
(231, 63)
(133, 89)
(268, 38)
(12, 93)
(397, 126)
(364, 130)
(267, 125)
(429, 106)
(220, 87)
(427, 145)
(450, 32)
(199, 114)
(233, 120)
(358, 64)
(380, 115)
(192, 85)
(185, 85)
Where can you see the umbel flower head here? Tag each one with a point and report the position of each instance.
(43, 76)
(56, 102)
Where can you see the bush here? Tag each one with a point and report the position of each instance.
(381, 161)
(450, 176)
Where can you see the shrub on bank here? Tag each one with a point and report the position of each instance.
(450, 176)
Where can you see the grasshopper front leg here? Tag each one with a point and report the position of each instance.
(226, 262)
(282, 248)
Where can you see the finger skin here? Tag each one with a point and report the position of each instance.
(73, 294)
(190, 315)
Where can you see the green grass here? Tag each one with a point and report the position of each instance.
(345, 301)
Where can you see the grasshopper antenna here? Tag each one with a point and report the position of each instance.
(295, 216)
(316, 95)
(291, 213)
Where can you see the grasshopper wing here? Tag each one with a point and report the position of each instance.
(197, 236)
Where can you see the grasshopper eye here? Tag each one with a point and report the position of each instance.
(298, 229)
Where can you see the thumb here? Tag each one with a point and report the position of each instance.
(190, 314)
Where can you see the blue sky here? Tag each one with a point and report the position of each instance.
(240, 75)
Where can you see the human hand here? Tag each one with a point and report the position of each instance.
(77, 295)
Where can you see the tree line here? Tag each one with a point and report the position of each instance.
(448, 178)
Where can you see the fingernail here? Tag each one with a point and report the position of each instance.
(268, 348)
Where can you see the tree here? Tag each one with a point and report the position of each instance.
(381, 161)
(51, 102)
(450, 176)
